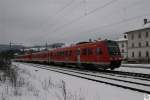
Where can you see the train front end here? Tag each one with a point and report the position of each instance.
(114, 54)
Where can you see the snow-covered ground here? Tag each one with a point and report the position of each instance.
(137, 68)
(136, 65)
(41, 84)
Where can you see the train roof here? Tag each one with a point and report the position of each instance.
(80, 44)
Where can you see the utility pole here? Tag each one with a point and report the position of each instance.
(9, 55)
(23, 49)
(10, 44)
(85, 9)
(46, 46)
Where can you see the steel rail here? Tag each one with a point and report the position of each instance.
(140, 67)
(140, 76)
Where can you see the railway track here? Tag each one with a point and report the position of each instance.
(142, 75)
(138, 83)
(141, 67)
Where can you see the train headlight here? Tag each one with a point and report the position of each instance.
(111, 58)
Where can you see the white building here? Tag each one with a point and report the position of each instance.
(139, 44)
(123, 44)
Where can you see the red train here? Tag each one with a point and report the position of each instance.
(104, 54)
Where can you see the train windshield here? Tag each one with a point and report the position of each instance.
(113, 48)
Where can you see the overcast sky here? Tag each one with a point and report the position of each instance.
(33, 22)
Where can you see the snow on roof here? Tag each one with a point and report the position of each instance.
(146, 26)
(122, 39)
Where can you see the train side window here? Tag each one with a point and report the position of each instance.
(57, 53)
(89, 51)
(66, 53)
(62, 54)
(70, 53)
(98, 51)
(51, 54)
(84, 51)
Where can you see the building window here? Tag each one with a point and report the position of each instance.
(122, 45)
(147, 44)
(132, 36)
(132, 54)
(139, 35)
(146, 34)
(122, 50)
(147, 54)
(132, 45)
(139, 44)
(139, 53)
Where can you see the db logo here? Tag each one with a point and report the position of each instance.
(146, 96)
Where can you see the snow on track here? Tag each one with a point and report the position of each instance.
(137, 65)
(133, 69)
(124, 83)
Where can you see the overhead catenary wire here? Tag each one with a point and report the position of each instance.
(116, 23)
(57, 12)
(119, 22)
(84, 7)
(101, 7)
(89, 13)
(84, 15)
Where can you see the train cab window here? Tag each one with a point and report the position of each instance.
(98, 51)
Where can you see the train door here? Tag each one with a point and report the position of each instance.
(78, 56)
(50, 57)
(98, 55)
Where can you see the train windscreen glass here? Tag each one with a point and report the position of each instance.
(113, 48)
